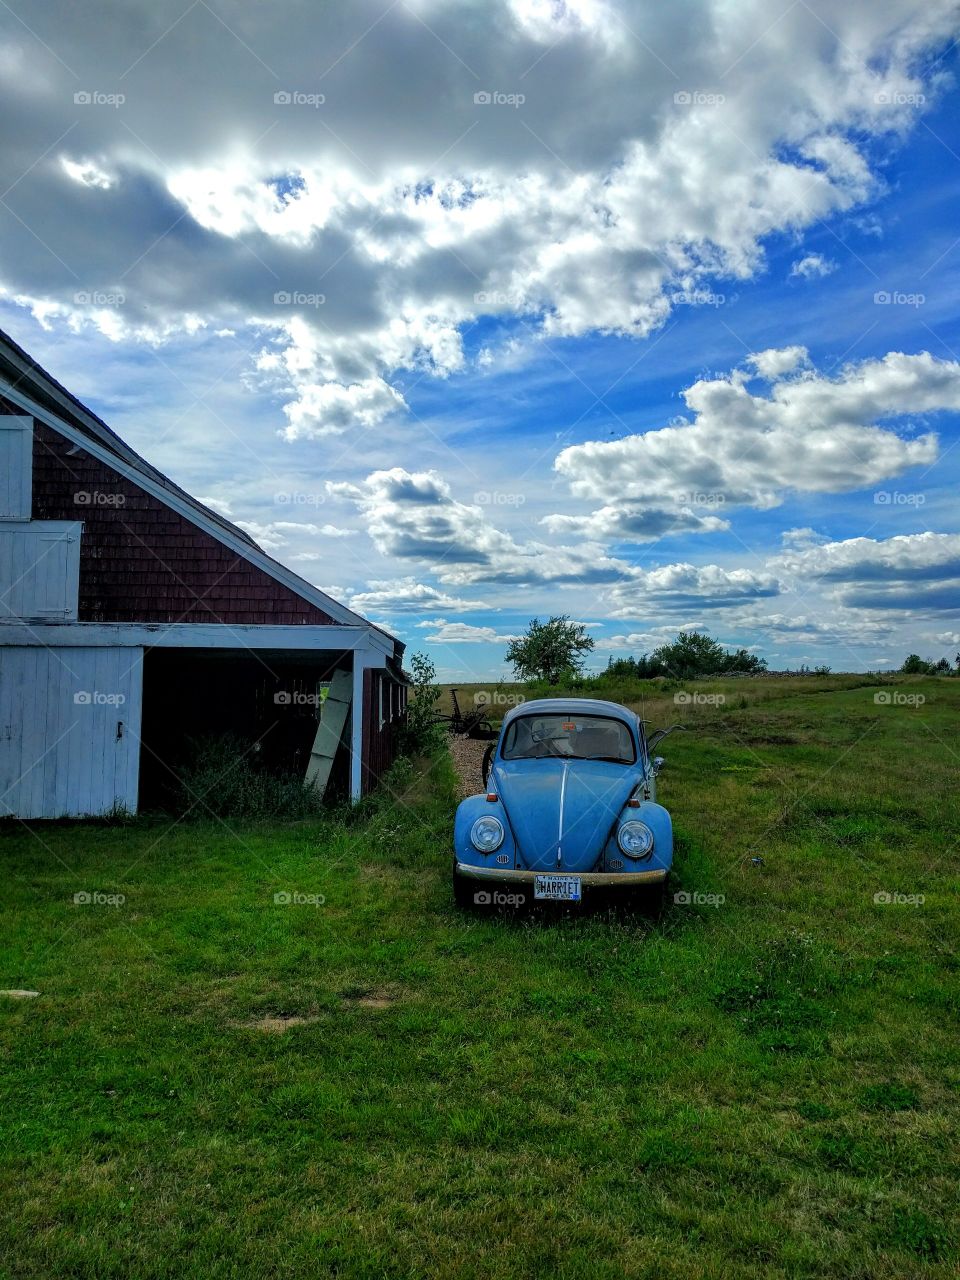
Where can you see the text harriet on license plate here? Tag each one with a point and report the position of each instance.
(557, 888)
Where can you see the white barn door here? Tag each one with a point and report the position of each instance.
(69, 730)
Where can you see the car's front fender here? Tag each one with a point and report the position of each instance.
(468, 812)
(660, 823)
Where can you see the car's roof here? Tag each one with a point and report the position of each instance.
(583, 706)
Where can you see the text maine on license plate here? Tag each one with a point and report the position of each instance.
(557, 888)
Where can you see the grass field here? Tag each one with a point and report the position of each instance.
(761, 1084)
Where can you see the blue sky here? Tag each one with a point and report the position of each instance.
(672, 342)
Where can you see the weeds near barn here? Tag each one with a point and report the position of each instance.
(222, 778)
(420, 733)
(214, 1082)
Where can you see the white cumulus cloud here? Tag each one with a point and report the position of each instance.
(367, 180)
(746, 447)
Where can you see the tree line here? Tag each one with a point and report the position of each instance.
(555, 652)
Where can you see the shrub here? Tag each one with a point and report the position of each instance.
(692, 654)
(420, 734)
(225, 778)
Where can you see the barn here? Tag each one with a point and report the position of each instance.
(135, 621)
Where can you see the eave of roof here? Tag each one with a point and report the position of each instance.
(21, 368)
(23, 372)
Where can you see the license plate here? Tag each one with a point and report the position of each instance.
(557, 888)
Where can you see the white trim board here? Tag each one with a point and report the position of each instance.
(197, 635)
(195, 514)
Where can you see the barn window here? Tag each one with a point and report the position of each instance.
(16, 466)
(40, 570)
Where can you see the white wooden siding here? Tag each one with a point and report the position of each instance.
(16, 466)
(69, 731)
(40, 570)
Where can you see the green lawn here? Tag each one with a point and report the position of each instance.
(763, 1087)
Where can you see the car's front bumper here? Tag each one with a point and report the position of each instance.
(594, 879)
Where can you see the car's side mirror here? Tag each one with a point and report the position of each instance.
(657, 762)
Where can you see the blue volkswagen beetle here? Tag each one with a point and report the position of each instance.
(570, 806)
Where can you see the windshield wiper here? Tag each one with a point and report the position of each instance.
(609, 759)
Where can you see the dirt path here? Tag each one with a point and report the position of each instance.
(467, 756)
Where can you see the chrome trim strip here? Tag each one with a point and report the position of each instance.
(563, 791)
(611, 878)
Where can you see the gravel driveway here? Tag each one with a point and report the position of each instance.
(467, 756)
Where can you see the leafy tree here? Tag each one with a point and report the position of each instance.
(914, 665)
(621, 669)
(742, 660)
(694, 653)
(552, 651)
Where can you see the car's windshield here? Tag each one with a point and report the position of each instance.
(569, 737)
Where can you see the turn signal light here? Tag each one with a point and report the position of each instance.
(492, 796)
(633, 803)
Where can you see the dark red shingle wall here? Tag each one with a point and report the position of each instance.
(142, 562)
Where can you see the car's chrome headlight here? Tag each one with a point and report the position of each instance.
(635, 839)
(486, 834)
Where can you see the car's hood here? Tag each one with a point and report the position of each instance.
(562, 811)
